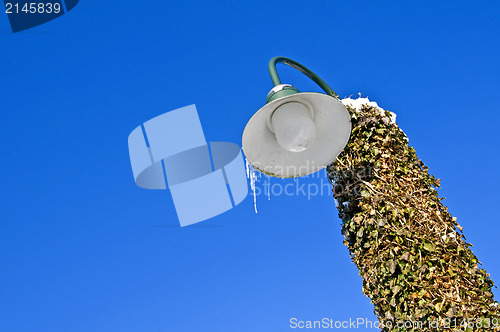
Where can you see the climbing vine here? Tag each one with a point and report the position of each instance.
(417, 267)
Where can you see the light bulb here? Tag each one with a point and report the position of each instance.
(294, 129)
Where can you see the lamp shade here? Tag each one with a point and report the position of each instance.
(297, 134)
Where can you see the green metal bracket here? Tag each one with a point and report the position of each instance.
(304, 70)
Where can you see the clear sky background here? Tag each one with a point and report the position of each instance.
(82, 248)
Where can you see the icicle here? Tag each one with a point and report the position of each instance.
(252, 176)
(247, 165)
(269, 188)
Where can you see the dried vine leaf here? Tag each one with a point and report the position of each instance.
(411, 253)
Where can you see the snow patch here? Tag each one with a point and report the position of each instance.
(358, 103)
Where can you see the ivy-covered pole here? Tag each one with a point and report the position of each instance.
(417, 268)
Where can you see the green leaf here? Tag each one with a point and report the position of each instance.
(395, 289)
(391, 265)
(429, 247)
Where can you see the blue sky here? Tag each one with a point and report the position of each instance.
(84, 249)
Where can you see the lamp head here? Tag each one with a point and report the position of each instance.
(296, 134)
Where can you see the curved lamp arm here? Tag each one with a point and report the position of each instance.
(304, 70)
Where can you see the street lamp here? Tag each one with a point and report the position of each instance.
(393, 220)
(296, 133)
